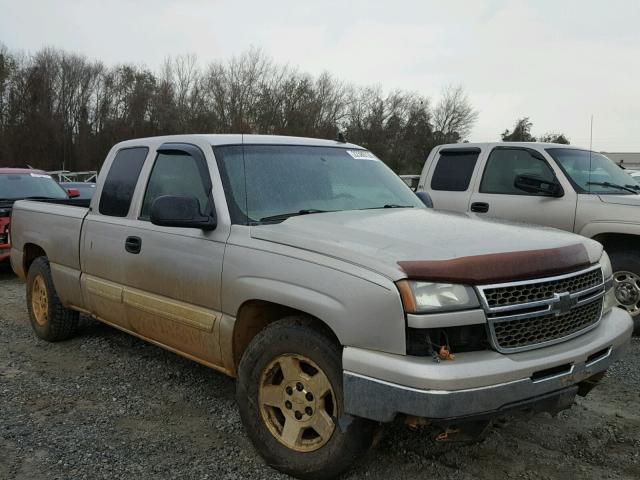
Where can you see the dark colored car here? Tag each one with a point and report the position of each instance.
(86, 189)
(20, 184)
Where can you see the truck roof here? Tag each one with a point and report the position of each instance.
(237, 139)
(8, 171)
(510, 144)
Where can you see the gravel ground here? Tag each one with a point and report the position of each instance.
(106, 405)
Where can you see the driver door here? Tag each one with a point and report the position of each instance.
(173, 274)
(496, 196)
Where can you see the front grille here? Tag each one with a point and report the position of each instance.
(518, 334)
(530, 314)
(531, 292)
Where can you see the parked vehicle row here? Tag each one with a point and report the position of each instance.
(25, 183)
(308, 270)
(546, 184)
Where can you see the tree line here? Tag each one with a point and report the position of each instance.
(61, 110)
(522, 133)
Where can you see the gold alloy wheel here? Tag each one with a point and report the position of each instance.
(39, 300)
(297, 403)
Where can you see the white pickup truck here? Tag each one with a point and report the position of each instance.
(546, 184)
(308, 270)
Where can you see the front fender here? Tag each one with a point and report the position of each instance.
(360, 312)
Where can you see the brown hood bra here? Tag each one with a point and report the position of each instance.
(500, 267)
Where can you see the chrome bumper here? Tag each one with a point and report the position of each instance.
(548, 370)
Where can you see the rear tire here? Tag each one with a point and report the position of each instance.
(50, 320)
(290, 396)
(626, 276)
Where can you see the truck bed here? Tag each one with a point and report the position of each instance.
(54, 227)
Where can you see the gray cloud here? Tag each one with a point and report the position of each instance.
(557, 62)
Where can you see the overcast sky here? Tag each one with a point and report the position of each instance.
(557, 62)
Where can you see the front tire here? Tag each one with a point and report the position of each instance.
(626, 283)
(50, 320)
(290, 397)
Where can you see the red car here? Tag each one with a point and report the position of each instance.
(20, 184)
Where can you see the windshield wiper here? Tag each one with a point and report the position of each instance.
(388, 205)
(284, 216)
(628, 188)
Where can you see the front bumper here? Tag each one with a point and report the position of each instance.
(378, 385)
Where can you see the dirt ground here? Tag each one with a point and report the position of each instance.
(106, 405)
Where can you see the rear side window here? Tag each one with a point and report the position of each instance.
(454, 170)
(174, 174)
(118, 188)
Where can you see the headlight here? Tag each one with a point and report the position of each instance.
(610, 300)
(605, 263)
(424, 297)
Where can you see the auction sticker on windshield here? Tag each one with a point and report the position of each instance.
(362, 154)
(40, 175)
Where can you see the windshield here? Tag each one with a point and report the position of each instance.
(592, 172)
(263, 181)
(15, 186)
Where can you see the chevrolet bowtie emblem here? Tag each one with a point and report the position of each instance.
(564, 303)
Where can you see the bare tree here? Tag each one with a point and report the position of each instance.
(453, 116)
(58, 108)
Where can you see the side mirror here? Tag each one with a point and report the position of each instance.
(425, 198)
(180, 211)
(73, 192)
(531, 184)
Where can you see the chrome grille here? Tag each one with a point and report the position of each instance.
(535, 313)
(532, 331)
(530, 292)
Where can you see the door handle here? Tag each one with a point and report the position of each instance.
(133, 244)
(480, 207)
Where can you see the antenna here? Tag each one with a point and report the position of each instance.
(590, 151)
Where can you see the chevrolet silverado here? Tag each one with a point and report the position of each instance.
(310, 272)
(546, 184)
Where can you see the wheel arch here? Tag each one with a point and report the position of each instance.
(615, 241)
(30, 252)
(255, 315)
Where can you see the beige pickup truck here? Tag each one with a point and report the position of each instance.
(308, 270)
(546, 184)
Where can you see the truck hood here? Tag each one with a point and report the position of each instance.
(388, 240)
(633, 200)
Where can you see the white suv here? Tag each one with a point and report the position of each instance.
(547, 184)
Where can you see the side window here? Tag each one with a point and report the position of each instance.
(174, 173)
(454, 170)
(504, 165)
(118, 188)
(230, 160)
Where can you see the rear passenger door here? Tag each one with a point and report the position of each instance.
(104, 232)
(449, 180)
(496, 196)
